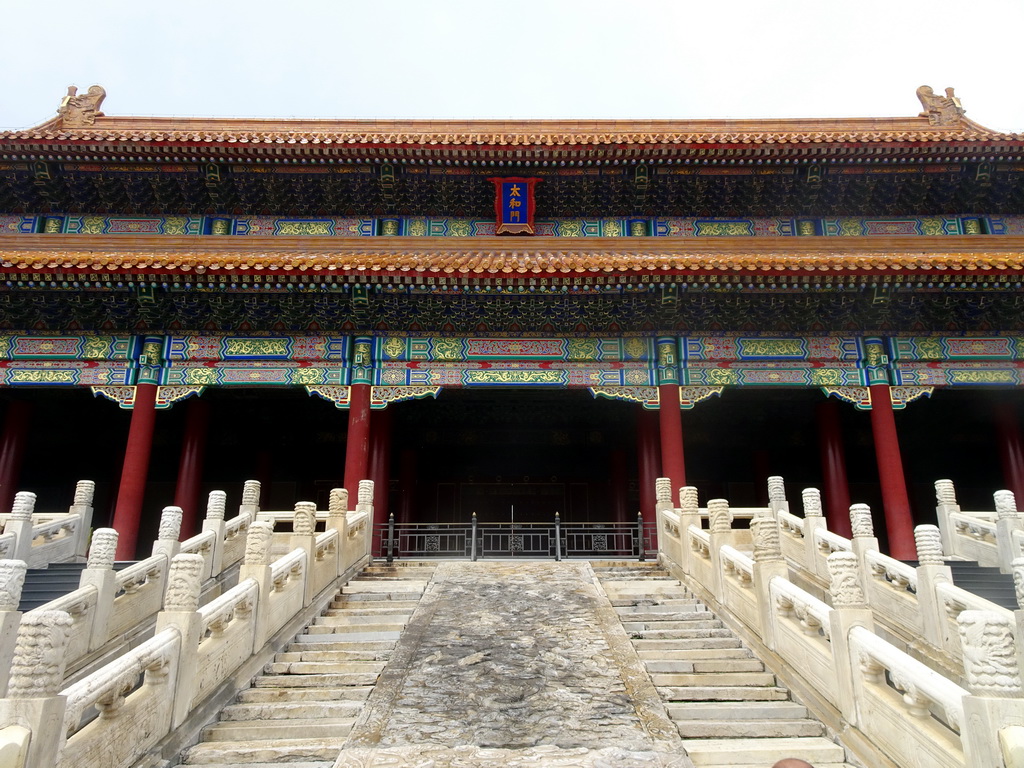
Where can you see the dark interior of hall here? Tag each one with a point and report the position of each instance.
(500, 451)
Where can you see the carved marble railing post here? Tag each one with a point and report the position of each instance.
(250, 498)
(850, 610)
(82, 506)
(181, 610)
(662, 503)
(1018, 614)
(256, 566)
(689, 514)
(777, 495)
(214, 522)
(337, 518)
(813, 520)
(945, 505)
(931, 571)
(304, 537)
(863, 540)
(99, 573)
(364, 503)
(12, 579)
(768, 563)
(167, 543)
(1008, 520)
(33, 697)
(721, 533)
(992, 675)
(20, 524)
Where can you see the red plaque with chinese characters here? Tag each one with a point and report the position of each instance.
(513, 205)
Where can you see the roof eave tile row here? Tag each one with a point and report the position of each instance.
(507, 259)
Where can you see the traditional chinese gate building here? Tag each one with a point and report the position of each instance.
(310, 302)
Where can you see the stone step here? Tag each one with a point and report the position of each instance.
(695, 653)
(620, 589)
(371, 608)
(345, 617)
(681, 634)
(407, 587)
(736, 710)
(650, 603)
(263, 730)
(637, 613)
(270, 695)
(331, 626)
(336, 710)
(375, 598)
(305, 643)
(722, 693)
(762, 752)
(718, 679)
(326, 680)
(646, 643)
(748, 729)
(696, 623)
(357, 655)
(247, 752)
(324, 667)
(331, 634)
(704, 666)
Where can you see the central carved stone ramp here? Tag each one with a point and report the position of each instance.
(514, 663)
(728, 709)
(301, 709)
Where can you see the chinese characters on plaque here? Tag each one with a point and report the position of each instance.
(513, 205)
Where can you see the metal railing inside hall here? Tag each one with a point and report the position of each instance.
(476, 540)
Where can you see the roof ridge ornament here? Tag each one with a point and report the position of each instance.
(80, 111)
(940, 110)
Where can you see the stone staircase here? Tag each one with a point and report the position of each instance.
(301, 709)
(728, 709)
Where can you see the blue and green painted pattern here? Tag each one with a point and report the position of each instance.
(394, 361)
(672, 227)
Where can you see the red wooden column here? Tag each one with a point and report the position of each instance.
(380, 464)
(12, 450)
(190, 465)
(134, 471)
(833, 468)
(899, 521)
(648, 461)
(1011, 449)
(357, 447)
(617, 481)
(670, 414)
(407, 479)
(131, 491)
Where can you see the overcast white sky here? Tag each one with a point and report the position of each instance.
(514, 59)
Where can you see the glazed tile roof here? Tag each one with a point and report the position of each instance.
(496, 257)
(494, 133)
